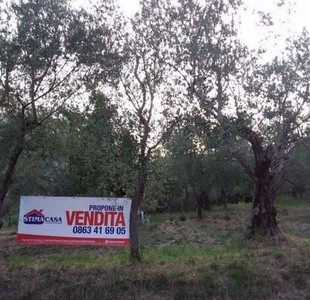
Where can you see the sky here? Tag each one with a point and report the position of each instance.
(129, 6)
(299, 17)
(290, 18)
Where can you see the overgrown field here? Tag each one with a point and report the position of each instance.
(183, 258)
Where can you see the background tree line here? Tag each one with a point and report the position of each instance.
(169, 108)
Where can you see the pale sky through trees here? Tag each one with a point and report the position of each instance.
(289, 18)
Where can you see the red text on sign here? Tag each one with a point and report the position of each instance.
(95, 218)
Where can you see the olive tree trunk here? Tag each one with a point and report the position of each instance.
(134, 238)
(136, 201)
(14, 157)
(267, 176)
(264, 212)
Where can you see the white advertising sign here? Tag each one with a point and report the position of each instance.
(74, 220)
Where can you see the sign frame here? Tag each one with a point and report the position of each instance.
(74, 221)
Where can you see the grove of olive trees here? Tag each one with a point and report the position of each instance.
(177, 112)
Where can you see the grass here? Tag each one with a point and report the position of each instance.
(182, 258)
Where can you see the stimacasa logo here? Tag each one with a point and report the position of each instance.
(36, 217)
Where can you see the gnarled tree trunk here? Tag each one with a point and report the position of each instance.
(264, 211)
(269, 166)
(267, 176)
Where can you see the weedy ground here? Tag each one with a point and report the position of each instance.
(182, 258)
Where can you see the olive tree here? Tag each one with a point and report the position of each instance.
(141, 93)
(42, 63)
(262, 104)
